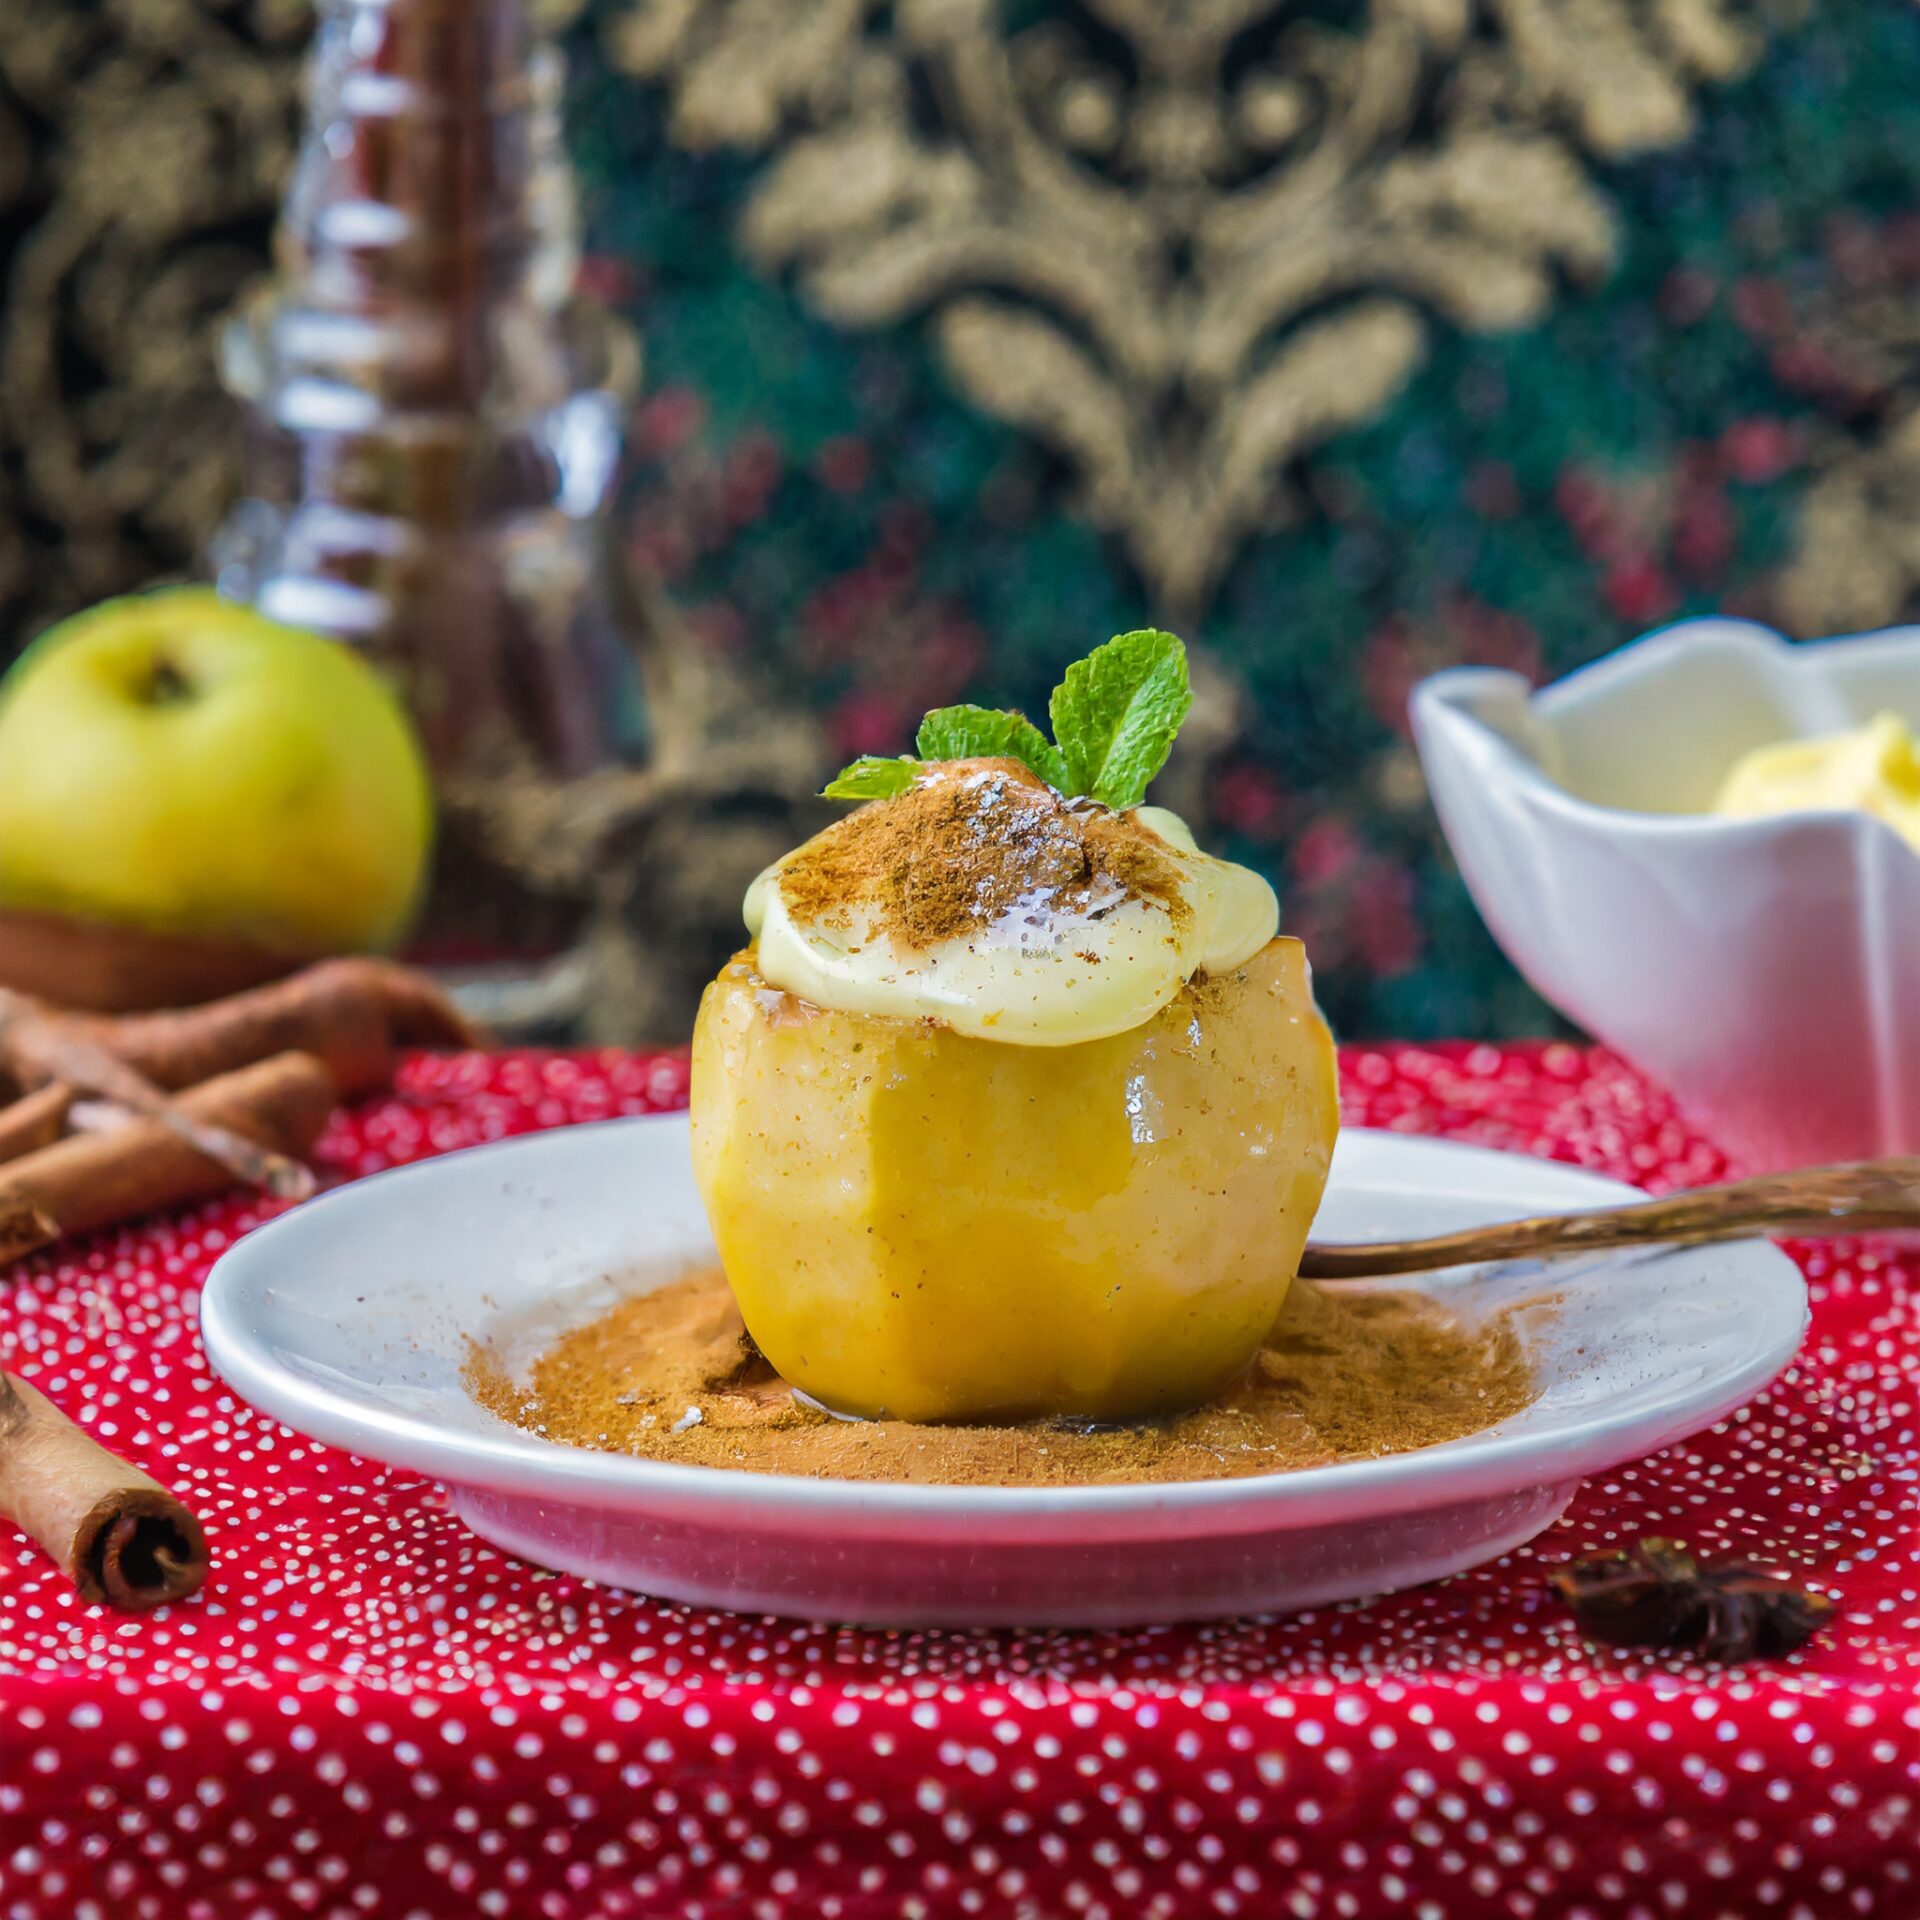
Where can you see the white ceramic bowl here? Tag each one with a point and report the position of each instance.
(349, 1318)
(1767, 971)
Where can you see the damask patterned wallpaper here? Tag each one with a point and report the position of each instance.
(1353, 337)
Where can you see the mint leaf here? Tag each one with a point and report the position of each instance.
(1116, 712)
(1114, 717)
(969, 733)
(873, 777)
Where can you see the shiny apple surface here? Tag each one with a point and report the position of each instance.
(937, 1227)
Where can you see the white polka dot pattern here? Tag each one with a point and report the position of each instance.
(369, 1713)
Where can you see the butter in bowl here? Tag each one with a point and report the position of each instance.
(1701, 850)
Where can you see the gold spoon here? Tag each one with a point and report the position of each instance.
(1870, 1196)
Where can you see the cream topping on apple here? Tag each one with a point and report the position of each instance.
(984, 899)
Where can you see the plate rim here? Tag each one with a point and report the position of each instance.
(523, 1465)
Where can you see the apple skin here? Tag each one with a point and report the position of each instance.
(176, 763)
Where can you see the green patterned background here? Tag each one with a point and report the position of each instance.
(827, 502)
(1722, 418)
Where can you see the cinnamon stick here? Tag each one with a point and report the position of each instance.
(116, 1532)
(81, 1062)
(36, 1119)
(90, 1180)
(354, 1014)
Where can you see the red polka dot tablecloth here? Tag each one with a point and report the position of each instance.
(368, 1712)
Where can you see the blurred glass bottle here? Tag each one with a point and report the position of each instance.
(435, 420)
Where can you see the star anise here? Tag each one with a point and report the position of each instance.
(1657, 1594)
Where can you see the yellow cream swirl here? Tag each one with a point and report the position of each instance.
(1054, 967)
(1872, 769)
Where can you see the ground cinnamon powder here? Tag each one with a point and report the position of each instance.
(972, 843)
(671, 1375)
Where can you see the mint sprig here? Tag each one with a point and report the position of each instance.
(1114, 715)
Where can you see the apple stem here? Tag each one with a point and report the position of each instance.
(165, 684)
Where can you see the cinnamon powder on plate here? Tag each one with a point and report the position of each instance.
(973, 843)
(672, 1375)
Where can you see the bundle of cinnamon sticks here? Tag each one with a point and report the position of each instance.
(107, 1118)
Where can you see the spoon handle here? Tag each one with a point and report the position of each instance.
(1870, 1196)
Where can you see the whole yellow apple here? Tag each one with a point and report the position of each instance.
(173, 762)
(923, 1225)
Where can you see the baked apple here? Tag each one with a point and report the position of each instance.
(1015, 1106)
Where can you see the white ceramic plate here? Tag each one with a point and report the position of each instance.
(349, 1319)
